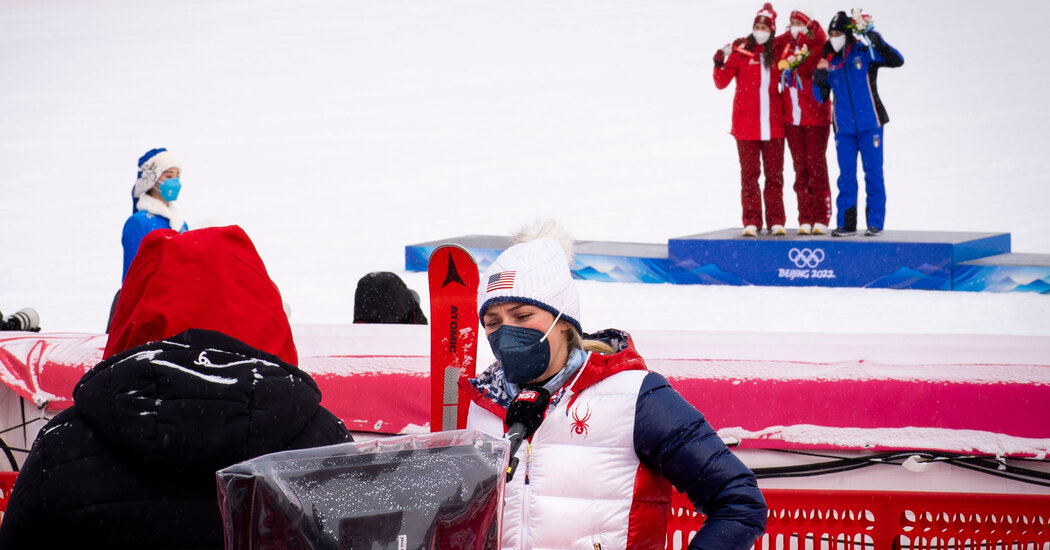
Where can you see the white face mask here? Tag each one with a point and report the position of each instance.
(760, 36)
(837, 42)
(797, 30)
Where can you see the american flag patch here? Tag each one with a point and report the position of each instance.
(501, 280)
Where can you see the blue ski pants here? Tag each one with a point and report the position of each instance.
(868, 144)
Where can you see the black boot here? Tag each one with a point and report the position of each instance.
(849, 227)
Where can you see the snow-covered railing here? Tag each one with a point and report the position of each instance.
(979, 394)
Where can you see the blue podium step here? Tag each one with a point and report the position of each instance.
(896, 259)
(1004, 273)
(595, 260)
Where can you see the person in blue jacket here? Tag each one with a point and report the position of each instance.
(156, 188)
(849, 71)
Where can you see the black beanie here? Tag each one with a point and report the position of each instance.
(382, 297)
(840, 23)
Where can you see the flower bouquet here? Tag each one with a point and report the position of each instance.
(793, 58)
(790, 61)
(860, 22)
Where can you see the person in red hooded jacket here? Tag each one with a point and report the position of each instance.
(758, 121)
(807, 122)
(199, 373)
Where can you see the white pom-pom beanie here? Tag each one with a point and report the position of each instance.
(151, 166)
(535, 272)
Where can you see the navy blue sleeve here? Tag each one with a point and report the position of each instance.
(821, 89)
(891, 58)
(673, 437)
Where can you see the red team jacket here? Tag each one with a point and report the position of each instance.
(758, 111)
(800, 107)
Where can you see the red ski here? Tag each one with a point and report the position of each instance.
(453, 276)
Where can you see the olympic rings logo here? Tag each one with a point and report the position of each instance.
(806, 257)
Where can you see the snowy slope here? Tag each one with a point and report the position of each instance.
(338, 132)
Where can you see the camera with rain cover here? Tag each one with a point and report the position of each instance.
(25, 319)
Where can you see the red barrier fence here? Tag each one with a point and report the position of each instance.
(866, 520)
(7, 480)
(885, 520)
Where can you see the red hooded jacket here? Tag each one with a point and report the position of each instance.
(210, 278)
(800, 107)
(758, 112)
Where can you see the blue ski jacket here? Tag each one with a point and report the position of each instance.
(852, 77)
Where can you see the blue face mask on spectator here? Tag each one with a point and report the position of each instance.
(169, 189)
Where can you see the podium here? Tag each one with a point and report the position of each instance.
(925, 260)
(622, 262)
(1004, 273)
(415, 492)
(896, 259)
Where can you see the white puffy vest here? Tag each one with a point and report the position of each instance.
(576, 482)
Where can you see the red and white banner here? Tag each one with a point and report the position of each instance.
(981, 394)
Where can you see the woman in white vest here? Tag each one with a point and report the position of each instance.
(597, 473)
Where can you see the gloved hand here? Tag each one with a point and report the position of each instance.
(722, 54)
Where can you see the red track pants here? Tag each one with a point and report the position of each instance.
(809, 146)
(757, 157)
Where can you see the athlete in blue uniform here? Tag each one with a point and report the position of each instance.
(849, 71)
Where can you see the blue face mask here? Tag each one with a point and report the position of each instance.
(524, 353)
(169, 189)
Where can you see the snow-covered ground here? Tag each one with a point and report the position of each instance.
(338, 132)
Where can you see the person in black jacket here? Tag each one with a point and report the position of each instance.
(198, 374)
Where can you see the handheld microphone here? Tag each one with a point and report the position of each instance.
(524, 416)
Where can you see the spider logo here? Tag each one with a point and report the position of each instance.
(579, 425)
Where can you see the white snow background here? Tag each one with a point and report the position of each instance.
(336, 132)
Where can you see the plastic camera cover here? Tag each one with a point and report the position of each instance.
(436, 490)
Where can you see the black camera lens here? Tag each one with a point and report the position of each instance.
(25, 319)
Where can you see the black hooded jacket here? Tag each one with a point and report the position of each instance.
(132, 464)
